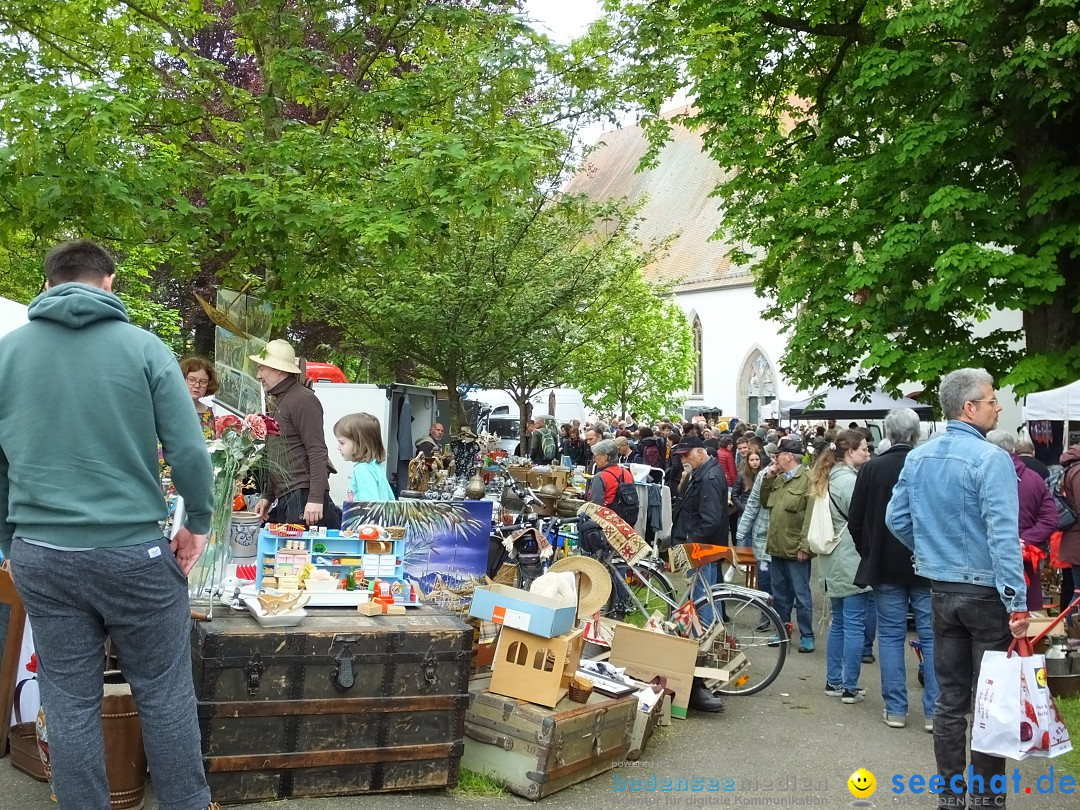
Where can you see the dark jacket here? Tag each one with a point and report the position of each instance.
(1033, 463)
(884, 558)
(298, 459)
(701, 515)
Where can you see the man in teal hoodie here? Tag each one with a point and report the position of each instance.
(86, 398)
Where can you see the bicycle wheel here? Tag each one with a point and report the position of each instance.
(638, 592)
(745, 633)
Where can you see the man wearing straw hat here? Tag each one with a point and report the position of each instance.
(299, 475)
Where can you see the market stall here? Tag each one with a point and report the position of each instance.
(1052, 418)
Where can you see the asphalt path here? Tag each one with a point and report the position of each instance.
(788, 746)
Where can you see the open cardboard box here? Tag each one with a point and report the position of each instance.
(533, 668)
(645, 654)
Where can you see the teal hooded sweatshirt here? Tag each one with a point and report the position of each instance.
(85, 397)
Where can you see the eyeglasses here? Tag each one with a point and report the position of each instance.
(194, 382)
(991, 401)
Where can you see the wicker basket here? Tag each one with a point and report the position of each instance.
(580, 689)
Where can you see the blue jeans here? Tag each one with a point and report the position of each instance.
(844, 651)
(892, 606)
(138, 597)
(965, 626)
(791, 587)
(764, 577)
(705, 581)
(871, 625)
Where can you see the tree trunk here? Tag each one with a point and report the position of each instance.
(454, 409)
(523, 422)
(1054, 328)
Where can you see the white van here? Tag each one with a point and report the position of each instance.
(569, 404)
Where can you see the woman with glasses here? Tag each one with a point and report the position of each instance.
(201, 382)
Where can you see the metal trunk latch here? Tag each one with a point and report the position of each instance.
(344, 673)
(427, 667)
(253, 669)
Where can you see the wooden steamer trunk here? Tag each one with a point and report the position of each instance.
(536, 751)
(340, 705)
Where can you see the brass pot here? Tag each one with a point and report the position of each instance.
(475, 489)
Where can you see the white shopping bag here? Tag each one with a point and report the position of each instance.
(1015, 715)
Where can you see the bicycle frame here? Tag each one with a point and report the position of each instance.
(687, 599)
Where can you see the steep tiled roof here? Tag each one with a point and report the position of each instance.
(678, 202)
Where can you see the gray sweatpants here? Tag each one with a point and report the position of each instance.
(138, 597)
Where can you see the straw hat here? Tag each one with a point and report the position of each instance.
(277, 354)
(594, 584)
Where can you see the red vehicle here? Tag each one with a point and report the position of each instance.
(325, 372)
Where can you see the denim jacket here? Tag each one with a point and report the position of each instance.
(956, 506)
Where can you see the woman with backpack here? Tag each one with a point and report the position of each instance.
(613, 485)
(1069, 549)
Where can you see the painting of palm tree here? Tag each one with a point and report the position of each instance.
(445, 540)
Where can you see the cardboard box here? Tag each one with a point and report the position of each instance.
(645, 724)
(521, 610)
(534, 668)
(645, 654)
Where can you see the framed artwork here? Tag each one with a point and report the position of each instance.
(446, 543)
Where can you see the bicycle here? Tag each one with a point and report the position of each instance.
(745, 637)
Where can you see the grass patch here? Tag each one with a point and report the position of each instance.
(477, 785)
(1070, 711)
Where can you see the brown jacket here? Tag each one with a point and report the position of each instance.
(298, 458)
(1070, 538)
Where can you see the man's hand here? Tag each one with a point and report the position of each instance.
(262, 509)
(312, 513)
(1018, 624)
(802, 556)
(188, 548)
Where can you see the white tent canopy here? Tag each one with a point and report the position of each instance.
(1058, 405)
(12, 315)
(846, 403)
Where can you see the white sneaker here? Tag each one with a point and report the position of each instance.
(928, 726)
(894, 720)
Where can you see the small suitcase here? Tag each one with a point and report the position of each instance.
(340, 705)
(536, 751)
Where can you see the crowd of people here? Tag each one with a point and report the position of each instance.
(956, 532)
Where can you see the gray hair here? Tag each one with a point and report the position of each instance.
(606, 447)
(902, 426)
(960, 387)
(1024, 447)
(600, 427)
(1003, 439)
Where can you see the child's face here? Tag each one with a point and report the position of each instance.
(347, 448)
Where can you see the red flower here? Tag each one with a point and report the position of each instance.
(271, 424)
(227, 422)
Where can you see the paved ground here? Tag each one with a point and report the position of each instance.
(790, 746)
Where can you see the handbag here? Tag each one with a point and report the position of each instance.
(820, 537)
(1015, 715)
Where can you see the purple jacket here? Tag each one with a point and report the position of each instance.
(1038, 515)
(1038, 520)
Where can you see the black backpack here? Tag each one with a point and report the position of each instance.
(625, 504)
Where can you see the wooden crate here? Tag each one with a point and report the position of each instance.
(537, 751)
(340, 705)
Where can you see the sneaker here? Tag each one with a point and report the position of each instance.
(928, 726)
(868, 658)
(832, 690)
(806, 645)
(852, 695)
(894, 720)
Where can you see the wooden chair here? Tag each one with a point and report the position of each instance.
(9, 664)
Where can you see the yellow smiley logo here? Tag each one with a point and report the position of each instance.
(862, 784)
(1040, 677)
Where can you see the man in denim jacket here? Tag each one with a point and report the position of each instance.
(956, 506)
